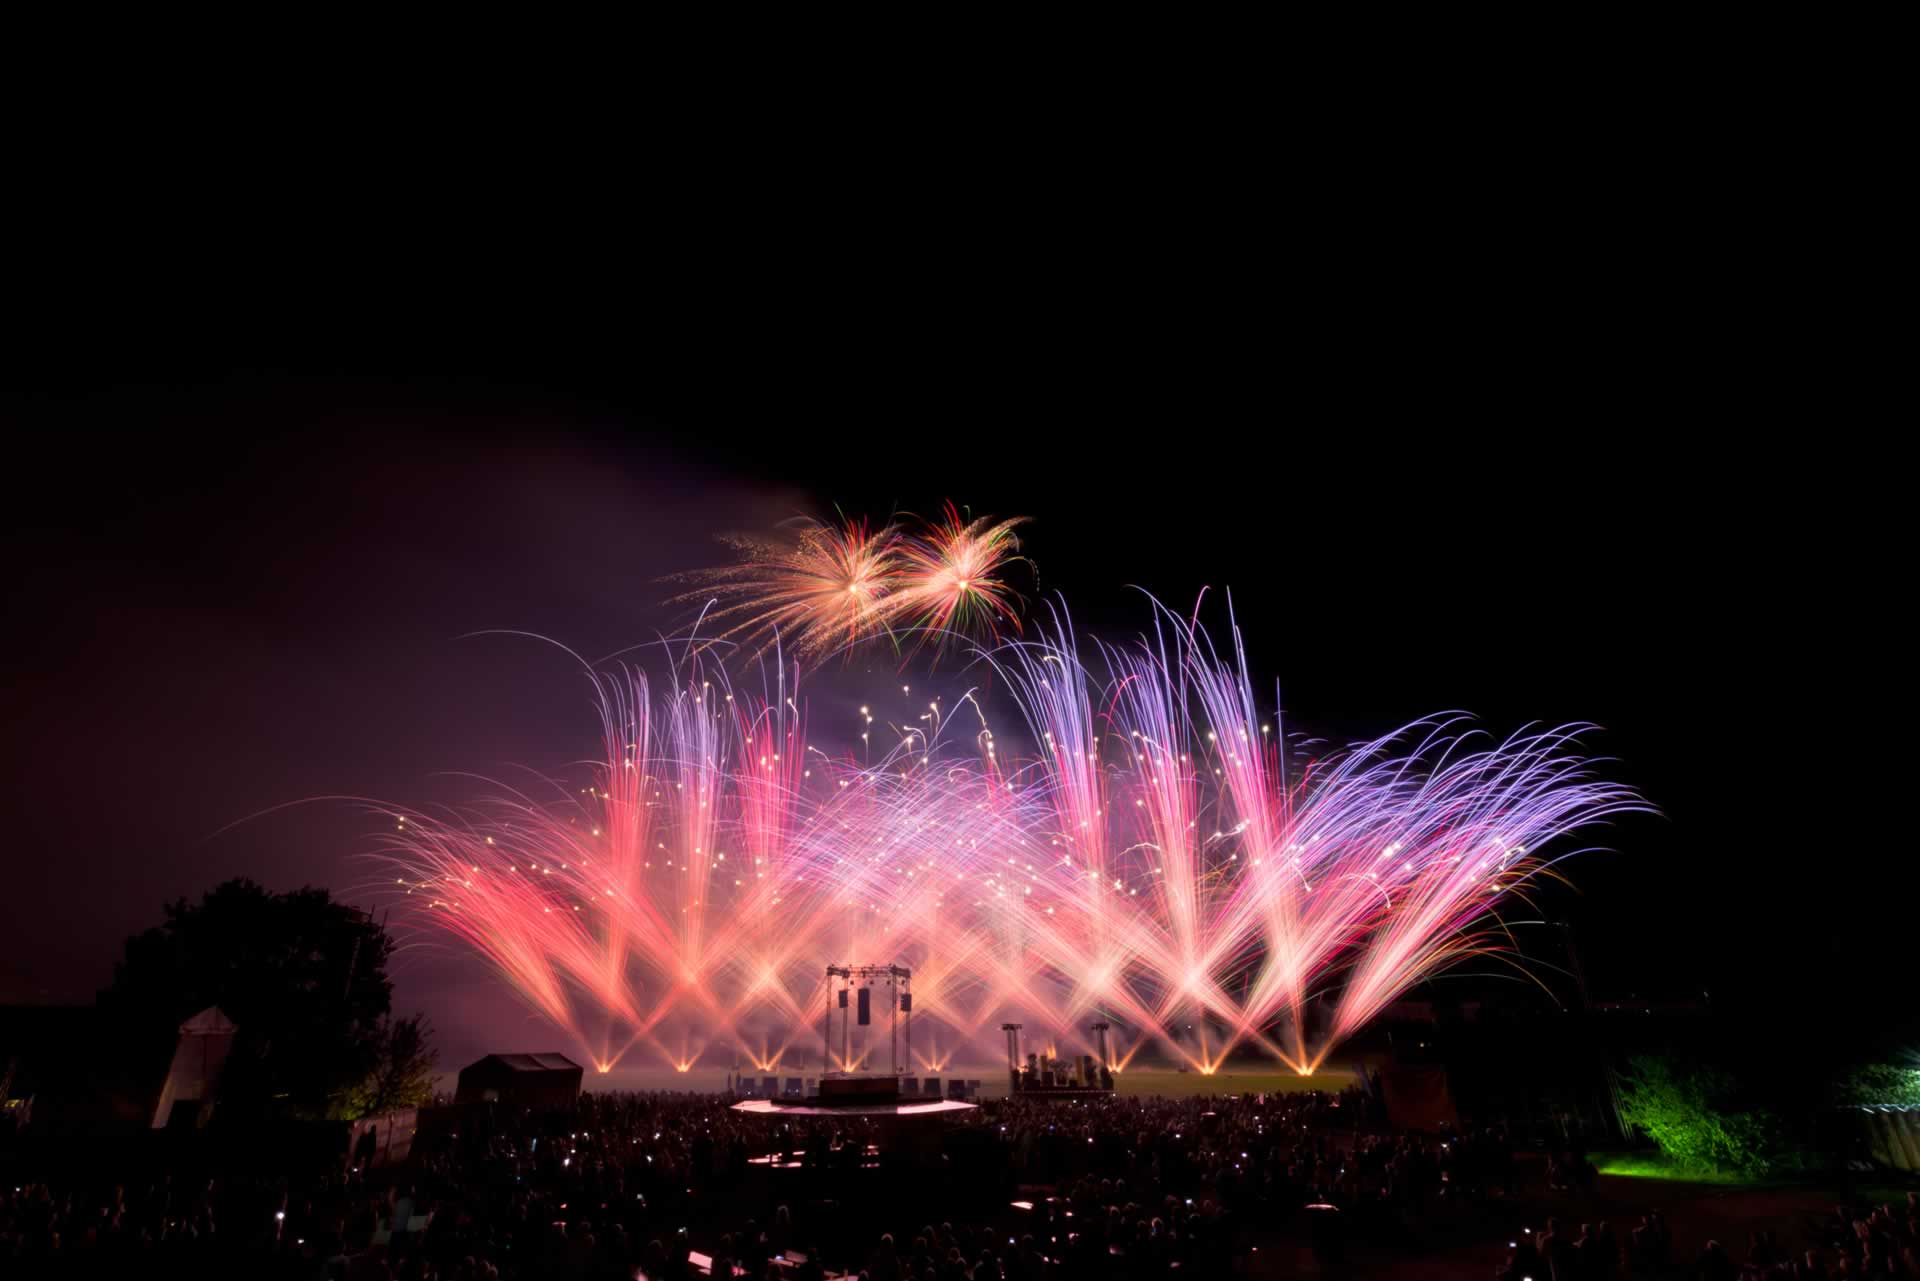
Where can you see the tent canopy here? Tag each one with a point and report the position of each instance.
(543, 1081)
(528, 1063)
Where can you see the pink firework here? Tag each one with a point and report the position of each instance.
(1156, 857)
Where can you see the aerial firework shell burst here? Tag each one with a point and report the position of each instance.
(1157, 855)
(828, 587)
(953, 582)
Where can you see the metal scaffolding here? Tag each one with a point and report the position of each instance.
(856, 981)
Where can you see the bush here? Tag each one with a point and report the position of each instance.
(402, 1077)
(1688, 1111)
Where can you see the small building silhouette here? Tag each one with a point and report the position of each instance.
(193, 1076)
(80, 1070)
(540, 1082)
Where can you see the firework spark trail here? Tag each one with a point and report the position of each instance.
(519, 949)
(1246, 757)
(625, 705)
(1088, 942)
(694, 805)
(1473, 821)
(1189, 895)
(1150, 862)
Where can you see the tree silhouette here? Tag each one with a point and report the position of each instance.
(304, 978)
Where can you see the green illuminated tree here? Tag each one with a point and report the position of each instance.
(1690, 1113)
(403, 1078)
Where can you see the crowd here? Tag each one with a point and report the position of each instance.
(1866, 1242)
(663, 1186)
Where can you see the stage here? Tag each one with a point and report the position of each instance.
(930, 1108)
(1137, 1081)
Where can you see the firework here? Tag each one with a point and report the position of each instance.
(953, 578)
(1159, 856)
(813, 593)
(829, 587)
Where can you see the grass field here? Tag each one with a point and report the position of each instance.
(1653, 1165)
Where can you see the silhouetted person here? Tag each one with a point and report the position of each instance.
(1714, 1264)
(1526, 1257)
(884, 1263)
(1606, 1252)
(1556, 1250)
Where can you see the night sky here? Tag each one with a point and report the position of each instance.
(237, 583)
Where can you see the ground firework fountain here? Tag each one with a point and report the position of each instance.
(1155, 854)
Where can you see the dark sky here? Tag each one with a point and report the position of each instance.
(240, 575)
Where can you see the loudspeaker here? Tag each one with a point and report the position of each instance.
(866, 1006)
(906, 1002)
